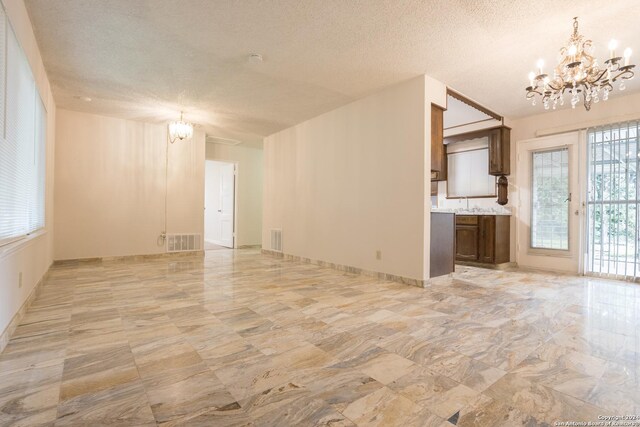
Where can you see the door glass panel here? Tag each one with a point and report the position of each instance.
(550, 200)
(612, 200)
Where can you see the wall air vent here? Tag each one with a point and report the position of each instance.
(276, 240)
(183, 242)
(224, 141)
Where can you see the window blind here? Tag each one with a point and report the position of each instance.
(22, 146)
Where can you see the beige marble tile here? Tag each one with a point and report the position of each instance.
(122, 405)
(187, 393)
(385, 407)
(237, 338)
(338, 387)
(386, 367)
(441, 395)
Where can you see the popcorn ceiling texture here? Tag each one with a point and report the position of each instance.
(148, 59)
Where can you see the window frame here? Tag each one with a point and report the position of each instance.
(10, 243)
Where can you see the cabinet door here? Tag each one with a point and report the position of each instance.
(442, 176)
(500, 151)
(487, 252)
(437, 141)
(467, 242)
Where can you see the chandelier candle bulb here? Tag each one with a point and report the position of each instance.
(572, 51)
(627, 56)
(613, 44)
(540, 64)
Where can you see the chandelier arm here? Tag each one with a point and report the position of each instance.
(599, 76)
(624, 75)
(555, 89)
(533, 93)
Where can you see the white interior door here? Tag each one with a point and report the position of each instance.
(550, 197)
(227, 204)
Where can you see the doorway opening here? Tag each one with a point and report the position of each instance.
(549, 225)
(219, 205)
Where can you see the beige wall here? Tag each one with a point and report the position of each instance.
(352, 181)
(110, 186)
(31, 257)
(616, 109)
(249, 181)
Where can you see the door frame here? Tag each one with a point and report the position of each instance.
(574, 260)
(236, 166)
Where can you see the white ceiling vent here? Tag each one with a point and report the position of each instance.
(276, 240)
(223, 141)
(183, 242)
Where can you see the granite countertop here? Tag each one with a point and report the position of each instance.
(498, 210)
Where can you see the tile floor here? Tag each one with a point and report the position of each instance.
(240, 338)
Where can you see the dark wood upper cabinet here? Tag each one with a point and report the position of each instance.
(499, 147)
(500, 151)
(438, 150)
(434, 188)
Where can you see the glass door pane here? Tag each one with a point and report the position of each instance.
(550, 198)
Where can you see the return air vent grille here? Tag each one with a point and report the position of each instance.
(223, 141)
(183, 242)
(276, 240)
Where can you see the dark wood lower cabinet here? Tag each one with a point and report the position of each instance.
(487, 241)
(467, 242)
(482, 238)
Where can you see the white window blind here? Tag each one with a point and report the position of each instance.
(468, 169)
(22, 146)
(3, 71)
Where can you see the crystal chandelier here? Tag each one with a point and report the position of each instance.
(579, 73)
(180, 130)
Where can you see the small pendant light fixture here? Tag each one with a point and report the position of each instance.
(180, 130)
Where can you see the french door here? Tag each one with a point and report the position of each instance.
(549, 209)
(613, 198)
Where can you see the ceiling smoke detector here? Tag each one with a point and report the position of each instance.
(255, 58)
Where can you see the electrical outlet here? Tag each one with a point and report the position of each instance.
(378, 254)
(20, 279)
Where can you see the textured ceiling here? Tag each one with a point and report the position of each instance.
(148, 59)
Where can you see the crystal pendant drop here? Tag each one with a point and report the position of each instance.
(622, 86)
